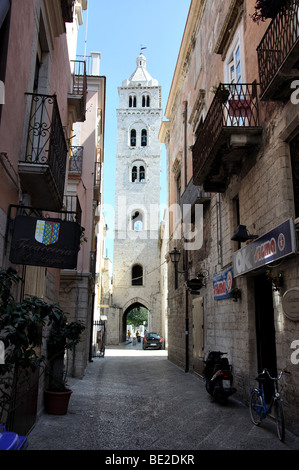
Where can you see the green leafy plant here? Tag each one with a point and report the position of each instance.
(275, 278)
(21, 327)
(63, 337)
(236, 294)
(265, 9)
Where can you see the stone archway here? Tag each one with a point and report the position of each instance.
(126, 310)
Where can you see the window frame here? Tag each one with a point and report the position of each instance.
(141, 277)
(133, 138)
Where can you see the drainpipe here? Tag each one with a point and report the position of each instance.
(185, 141)
(186, 263)
(186, 314)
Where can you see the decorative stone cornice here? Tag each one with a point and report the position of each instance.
(228, 27)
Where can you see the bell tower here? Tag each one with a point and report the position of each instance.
(136, 263)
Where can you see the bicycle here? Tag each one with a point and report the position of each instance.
(258, 407)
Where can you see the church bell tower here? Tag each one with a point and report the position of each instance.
(136, 263)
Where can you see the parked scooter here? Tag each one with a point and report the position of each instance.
(219, 376)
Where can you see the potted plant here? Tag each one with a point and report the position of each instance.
(266, 9)
(221, 93)
(276, 279)
(235, 293)
(21, 325)
(64, 336)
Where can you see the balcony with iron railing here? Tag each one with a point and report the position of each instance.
(97, 181)
(42, 168)
(72, 208)
(77, 95)
(230, 131)
(76, 161)
(278, 53)
(193, 195)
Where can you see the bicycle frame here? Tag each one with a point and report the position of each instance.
(263, 410)
(258, 407)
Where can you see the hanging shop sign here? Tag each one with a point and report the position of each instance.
(274, 245)
(290, 303)
(49, 243)
(222, 284)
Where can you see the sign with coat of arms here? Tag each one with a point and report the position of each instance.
(47, 232)
(45, 242)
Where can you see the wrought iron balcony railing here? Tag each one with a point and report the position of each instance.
(231, 119)
(43, 167)
(76, 160)
(97, 181)
(77, 95)
(71, 205)
(278, 53)
(97, 174)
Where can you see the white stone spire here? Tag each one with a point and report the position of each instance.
(140, 77)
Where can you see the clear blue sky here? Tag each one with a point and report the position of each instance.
(117, 29)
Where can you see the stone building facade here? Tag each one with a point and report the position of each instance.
(45, 95)
(232, 147)
(136, 265)
(84, 192)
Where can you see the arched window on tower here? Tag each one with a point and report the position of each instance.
(138, 172)
(134, 174)
(137, 221)
(133, 138)
(146, 101)
(143, 138)
(142, 174)
(132, 101)
(137, 275)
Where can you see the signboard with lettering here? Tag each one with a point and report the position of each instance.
(276, 244)
(222, 284)
(51, 243)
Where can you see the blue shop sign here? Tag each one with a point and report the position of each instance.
(222, 284)
(274, 245)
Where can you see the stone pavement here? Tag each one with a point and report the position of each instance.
(137, 400)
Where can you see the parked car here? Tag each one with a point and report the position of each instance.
(152, 340)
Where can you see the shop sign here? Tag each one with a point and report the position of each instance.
(276, 244)
(222, 284)
(49, 243)
(290, 303)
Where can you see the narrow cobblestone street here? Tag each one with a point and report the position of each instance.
(138, 400)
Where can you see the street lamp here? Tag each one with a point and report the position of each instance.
(241, 235)
(175, 258)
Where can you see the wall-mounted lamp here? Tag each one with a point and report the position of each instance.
(175, 258)
(241, 235)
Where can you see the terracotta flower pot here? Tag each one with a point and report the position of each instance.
(56, 403)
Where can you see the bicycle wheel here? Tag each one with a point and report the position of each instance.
(279, 418)
(255, 406)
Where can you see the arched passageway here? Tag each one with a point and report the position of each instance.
(132, 311)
